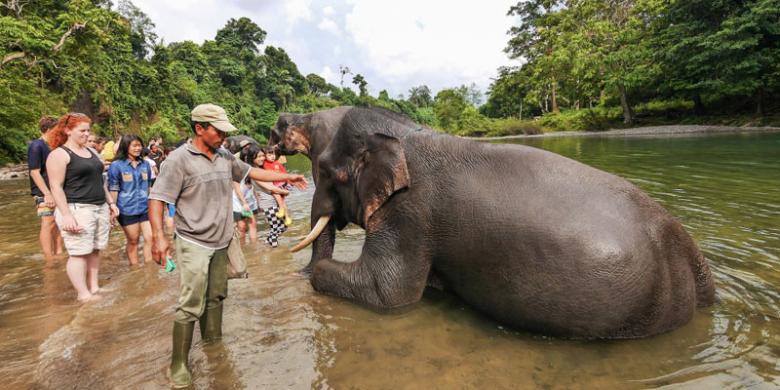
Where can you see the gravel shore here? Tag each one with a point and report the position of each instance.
(14, 171)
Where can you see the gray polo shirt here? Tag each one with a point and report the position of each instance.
(202, 190)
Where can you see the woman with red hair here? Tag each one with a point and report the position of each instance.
(76, 181)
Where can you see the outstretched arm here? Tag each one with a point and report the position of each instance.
(261, 175)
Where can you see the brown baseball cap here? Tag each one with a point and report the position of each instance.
(213, 114)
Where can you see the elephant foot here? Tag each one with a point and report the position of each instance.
(304, 272)
(435, 282)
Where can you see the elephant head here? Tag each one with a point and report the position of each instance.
(333, 205)
(307, 134)
(357, 174)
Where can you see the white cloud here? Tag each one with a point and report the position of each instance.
(194, 20)
(395, 45)
(329, 75)
(330, 26)
(409, 40)
(297, 10)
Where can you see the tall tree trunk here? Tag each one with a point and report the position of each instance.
(628, 113)
(554, 97)
(521, 109)
(760, 102)
(698, 106)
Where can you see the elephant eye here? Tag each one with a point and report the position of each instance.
(341, 176)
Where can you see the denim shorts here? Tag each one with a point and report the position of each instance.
(125, 220)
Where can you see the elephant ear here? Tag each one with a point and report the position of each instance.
(381, 171)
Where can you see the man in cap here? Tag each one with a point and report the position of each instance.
(198, 179)
(243, 146)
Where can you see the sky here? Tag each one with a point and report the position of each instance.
(395, 45)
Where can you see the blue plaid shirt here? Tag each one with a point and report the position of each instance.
(132, 184)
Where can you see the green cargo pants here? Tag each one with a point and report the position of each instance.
(203, 279)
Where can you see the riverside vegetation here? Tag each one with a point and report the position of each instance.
(588, 65)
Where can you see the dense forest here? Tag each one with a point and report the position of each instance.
(587, 65)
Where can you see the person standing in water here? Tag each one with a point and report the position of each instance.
(129, 178)
(83, 213)
(198, 179)
(271, 164)
(37, 152)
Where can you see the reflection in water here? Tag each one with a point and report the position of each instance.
(279, 334)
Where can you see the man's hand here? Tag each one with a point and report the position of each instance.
(159, 249)
(298, 181)
(274, 190)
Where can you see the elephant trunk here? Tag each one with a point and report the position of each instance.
(315, 232)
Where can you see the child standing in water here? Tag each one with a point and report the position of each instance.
(271, 164)
(256, 157)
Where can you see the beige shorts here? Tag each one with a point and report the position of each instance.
(96, 225)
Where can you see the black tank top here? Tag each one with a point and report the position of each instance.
(84, 179)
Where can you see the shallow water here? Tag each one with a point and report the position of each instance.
(280, 334)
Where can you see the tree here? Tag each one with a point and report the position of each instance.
(343, 71)
(574, 48)
(448, 106)
(317, 85)
(720, 49)
(142, 35)
(508, 92)
(361, 83)
(472, 94)
(420, 96)
(241, 33)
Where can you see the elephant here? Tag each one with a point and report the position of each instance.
(234, 142)
(532, 239)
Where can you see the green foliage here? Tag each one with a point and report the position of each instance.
(512, 126)
(164, 128)
(610, 53)
(310, 103)
(317, 85)
(361, 83)
(713, 50)
(448, 106)
(241, 34)
(421, 96)
(578, 120)
(426, 116)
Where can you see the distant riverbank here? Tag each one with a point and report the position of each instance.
(16, 171)
(13, 171)
(650, 131)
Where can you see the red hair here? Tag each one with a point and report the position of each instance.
(58, 136)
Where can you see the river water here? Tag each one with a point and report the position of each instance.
(280, 334)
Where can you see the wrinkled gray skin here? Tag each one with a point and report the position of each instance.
(233, 142)
(532, 239)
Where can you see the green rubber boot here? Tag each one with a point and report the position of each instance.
(211, 324)
(179, 372)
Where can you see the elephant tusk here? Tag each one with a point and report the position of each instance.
(315, 232)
